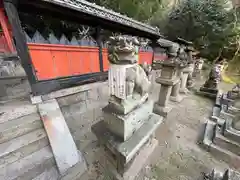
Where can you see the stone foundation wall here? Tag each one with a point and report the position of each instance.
(83, 109)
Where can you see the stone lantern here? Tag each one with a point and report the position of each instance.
(185, 55)
(168, 79)
(174, 55)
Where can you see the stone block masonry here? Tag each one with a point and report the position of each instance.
(81, 107)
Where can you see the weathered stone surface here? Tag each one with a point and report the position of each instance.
(168, 72)
(209, 90)
(49, 174)
(229, 174)
(34, 144)
(161, 110)
(211, 93)
(93, 94)
(127, 106)
(123, 50)
(73, 98)
(16, 109)
(214, 76)
(66, 155)
(30, 166)
(164, 95)
(134, 168)
(169, 82)
(125, 151)
(19, 142)
(124, 126)
(177, 98)
(19, 127)
(73, 90)
(227, 144)
(77, 108)
(183, 88)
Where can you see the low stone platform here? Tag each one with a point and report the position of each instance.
(211, 93)
(141, 160)
(124, 152)
(228, 174)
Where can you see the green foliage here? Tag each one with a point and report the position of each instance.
(142, 10)
(210, 25)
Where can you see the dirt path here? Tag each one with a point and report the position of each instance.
(178, 157)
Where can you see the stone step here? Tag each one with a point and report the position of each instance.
(22, 146)
(232, 134)
(15, 109)
(49, 174)
(76, 171)
(30, 166)
(227, 144)
(73, 173)
(20, 126)
(225, 155)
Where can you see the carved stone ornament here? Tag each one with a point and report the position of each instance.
(123, 50)
(128, 82)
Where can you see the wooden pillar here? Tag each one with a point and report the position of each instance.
(6, 30)
(99, 42)
(21, 44)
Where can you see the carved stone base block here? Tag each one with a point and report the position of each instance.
(127, 106)
(184, 78)
(229, 174)
(141, 160)
(125, 153)
(125, 125)
(164, 95)
(176, 98)
(161, 110)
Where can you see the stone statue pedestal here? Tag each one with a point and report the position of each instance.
(126, 133)
(124, 125)
(210, 87)
(208, 92)
(184, 78)
(167, 80)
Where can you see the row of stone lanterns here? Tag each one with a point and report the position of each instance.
(176, 73)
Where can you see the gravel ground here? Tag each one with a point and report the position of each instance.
(178, 156)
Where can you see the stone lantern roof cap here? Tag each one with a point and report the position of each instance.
(165, 43)
(188, 44)
(184, 42)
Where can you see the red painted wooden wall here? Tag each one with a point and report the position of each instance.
(54, 61)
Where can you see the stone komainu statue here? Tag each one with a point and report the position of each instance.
(122, 50)
(214, 76)
(128, 80)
